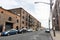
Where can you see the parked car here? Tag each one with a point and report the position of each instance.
(9, 32)
(6, 33)
(22, 31)
(13, 31)
(29, 30)
(47, 30)
(19, 31)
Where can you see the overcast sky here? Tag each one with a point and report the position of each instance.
(40, 11)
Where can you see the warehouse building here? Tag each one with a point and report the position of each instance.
(8, 20)
(26, 19)
(17, 18)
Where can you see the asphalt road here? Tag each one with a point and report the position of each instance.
(38, 35)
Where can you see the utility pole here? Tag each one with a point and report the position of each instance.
(50, 13)
(49, 24)
(52, 17)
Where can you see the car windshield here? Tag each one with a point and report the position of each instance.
(7, 31)
(47, 29)
(13, 30)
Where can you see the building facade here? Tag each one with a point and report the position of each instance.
(26, 19)
(17, 18)
(8, 20)
(56, 16)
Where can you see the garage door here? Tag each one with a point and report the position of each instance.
(9, 26)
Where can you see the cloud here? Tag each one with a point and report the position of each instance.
(8, 3)
(27, 4)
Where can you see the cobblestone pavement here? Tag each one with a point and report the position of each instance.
(38, 35)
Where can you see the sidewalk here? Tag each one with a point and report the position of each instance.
(57, 37)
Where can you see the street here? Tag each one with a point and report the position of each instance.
(38, 35)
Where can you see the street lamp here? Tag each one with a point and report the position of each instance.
(44, 3)
(51, 4)
(50, 8)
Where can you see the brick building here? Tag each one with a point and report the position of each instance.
(17, 18)
(26, 19)
(8, 20)
(56, 15)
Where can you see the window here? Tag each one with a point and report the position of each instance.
(23, 17)
(15, 11)
(23, 22)
(16, 27)
(9, 18)
(57, 22)
(26, 24)
(1, 11)
(54, 20)
(26, 19)
(22, 27)
(16, 16)
(26, 27)
(17, 21)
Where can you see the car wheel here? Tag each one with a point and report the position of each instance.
(8, 34)
(16, 32)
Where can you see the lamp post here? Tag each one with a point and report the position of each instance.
(50, 9)
(51, 4)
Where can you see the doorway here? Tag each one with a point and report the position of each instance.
(16, 27)
(8, 26)
(1, 28)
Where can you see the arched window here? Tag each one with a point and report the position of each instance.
(9, 18)
(17, 20)
(16, 27)
(1, 11)
(23, 17)
(23, 22)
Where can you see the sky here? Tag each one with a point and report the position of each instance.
(40, 11)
